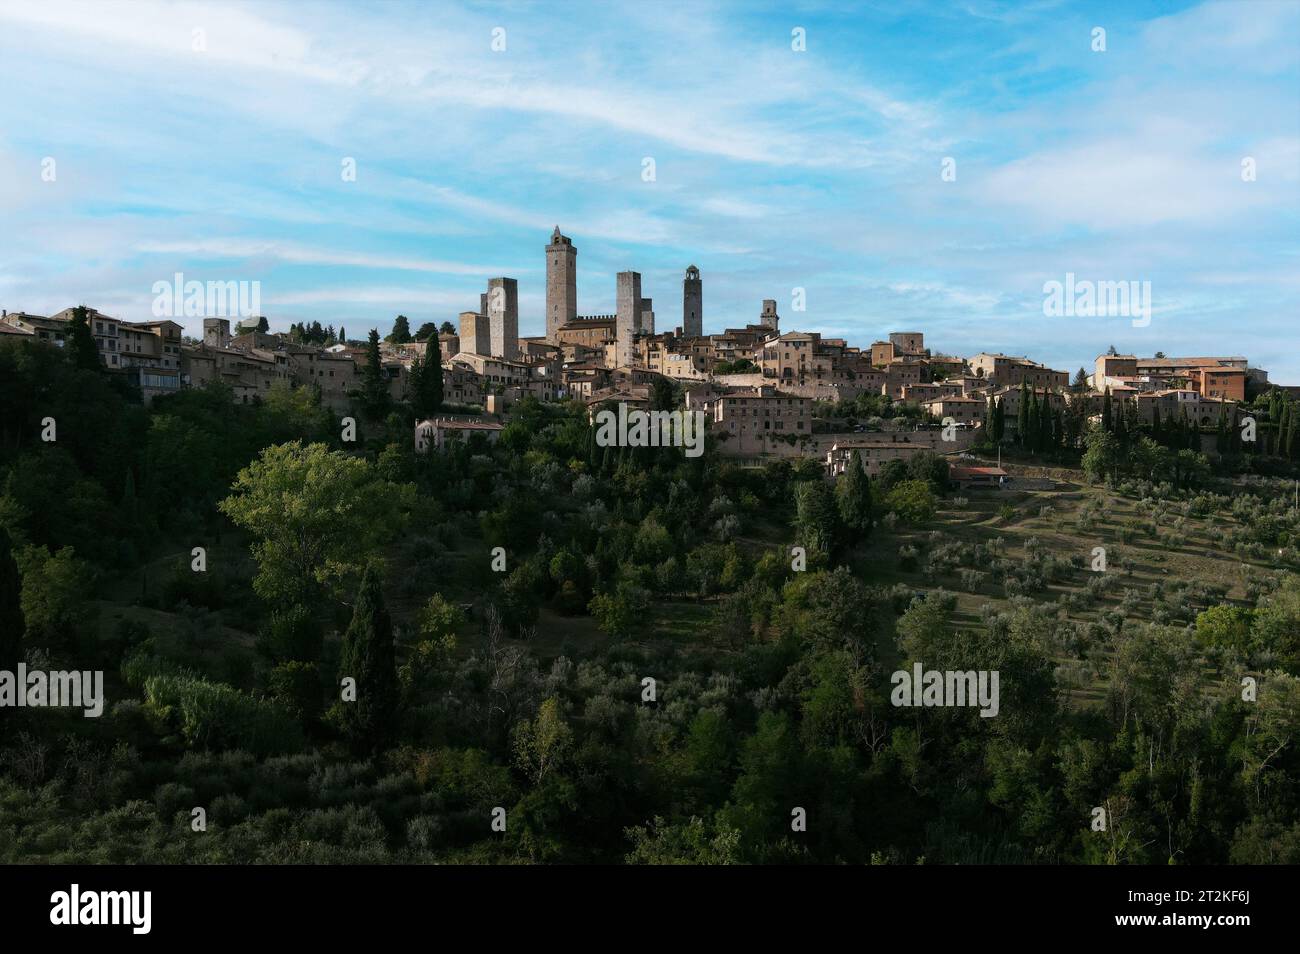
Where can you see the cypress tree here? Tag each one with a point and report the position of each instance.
(1284, 424)
(1022, 416)
(431, 382)
(1035, 424)
(415, 388)
(81, 343)
(1045, 422)
(343, 335)
(11, 613)
(1107, 420)
(853, 498)
(367, 655)
(374, 391)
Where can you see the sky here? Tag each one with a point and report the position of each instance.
(142, 139)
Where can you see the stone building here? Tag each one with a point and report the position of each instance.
(874, 455)
(561, 284)
(1001, 370)
(692, 303)
(475, 335)
(963, 410)
(437, 433)
(751, 421)
(503, 317)
(628, 316)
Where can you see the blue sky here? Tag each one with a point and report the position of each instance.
(774, 169)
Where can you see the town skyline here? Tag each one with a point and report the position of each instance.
(193, 322)
(789, 150)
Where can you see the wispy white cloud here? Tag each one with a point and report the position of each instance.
(244, 248)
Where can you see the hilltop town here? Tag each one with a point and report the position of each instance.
(765, 392)
(397, 600)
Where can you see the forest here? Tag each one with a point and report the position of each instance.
(547, 651)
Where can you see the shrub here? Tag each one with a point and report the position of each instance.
(216, 716)
(291, 634)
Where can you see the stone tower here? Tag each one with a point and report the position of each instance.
(216, 332)
(769, 318)
(647, 324)
(503, 317)
(561, 284)
(692, 304)
(628, 319)
(474, 336)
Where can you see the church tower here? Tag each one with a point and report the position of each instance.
(561, 284)
(692, 304)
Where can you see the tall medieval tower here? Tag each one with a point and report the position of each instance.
(561, 284)
(503, 317)
(628, 320)
(692, 304)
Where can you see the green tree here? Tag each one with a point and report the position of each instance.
(1101, 459)
(426, 397)
(542, 745)
(55, 588)
(1022, 416)
(11, 611)
(315, 516)
(662, 396)
(912, 500)
(853, 497)
(817, 520)
(374, 389)
(690, 842)
(1225, 625)
(291, 635)
(401, 333)
(1033, 426)
(367, 655)
(438, 622)
(81, 343)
